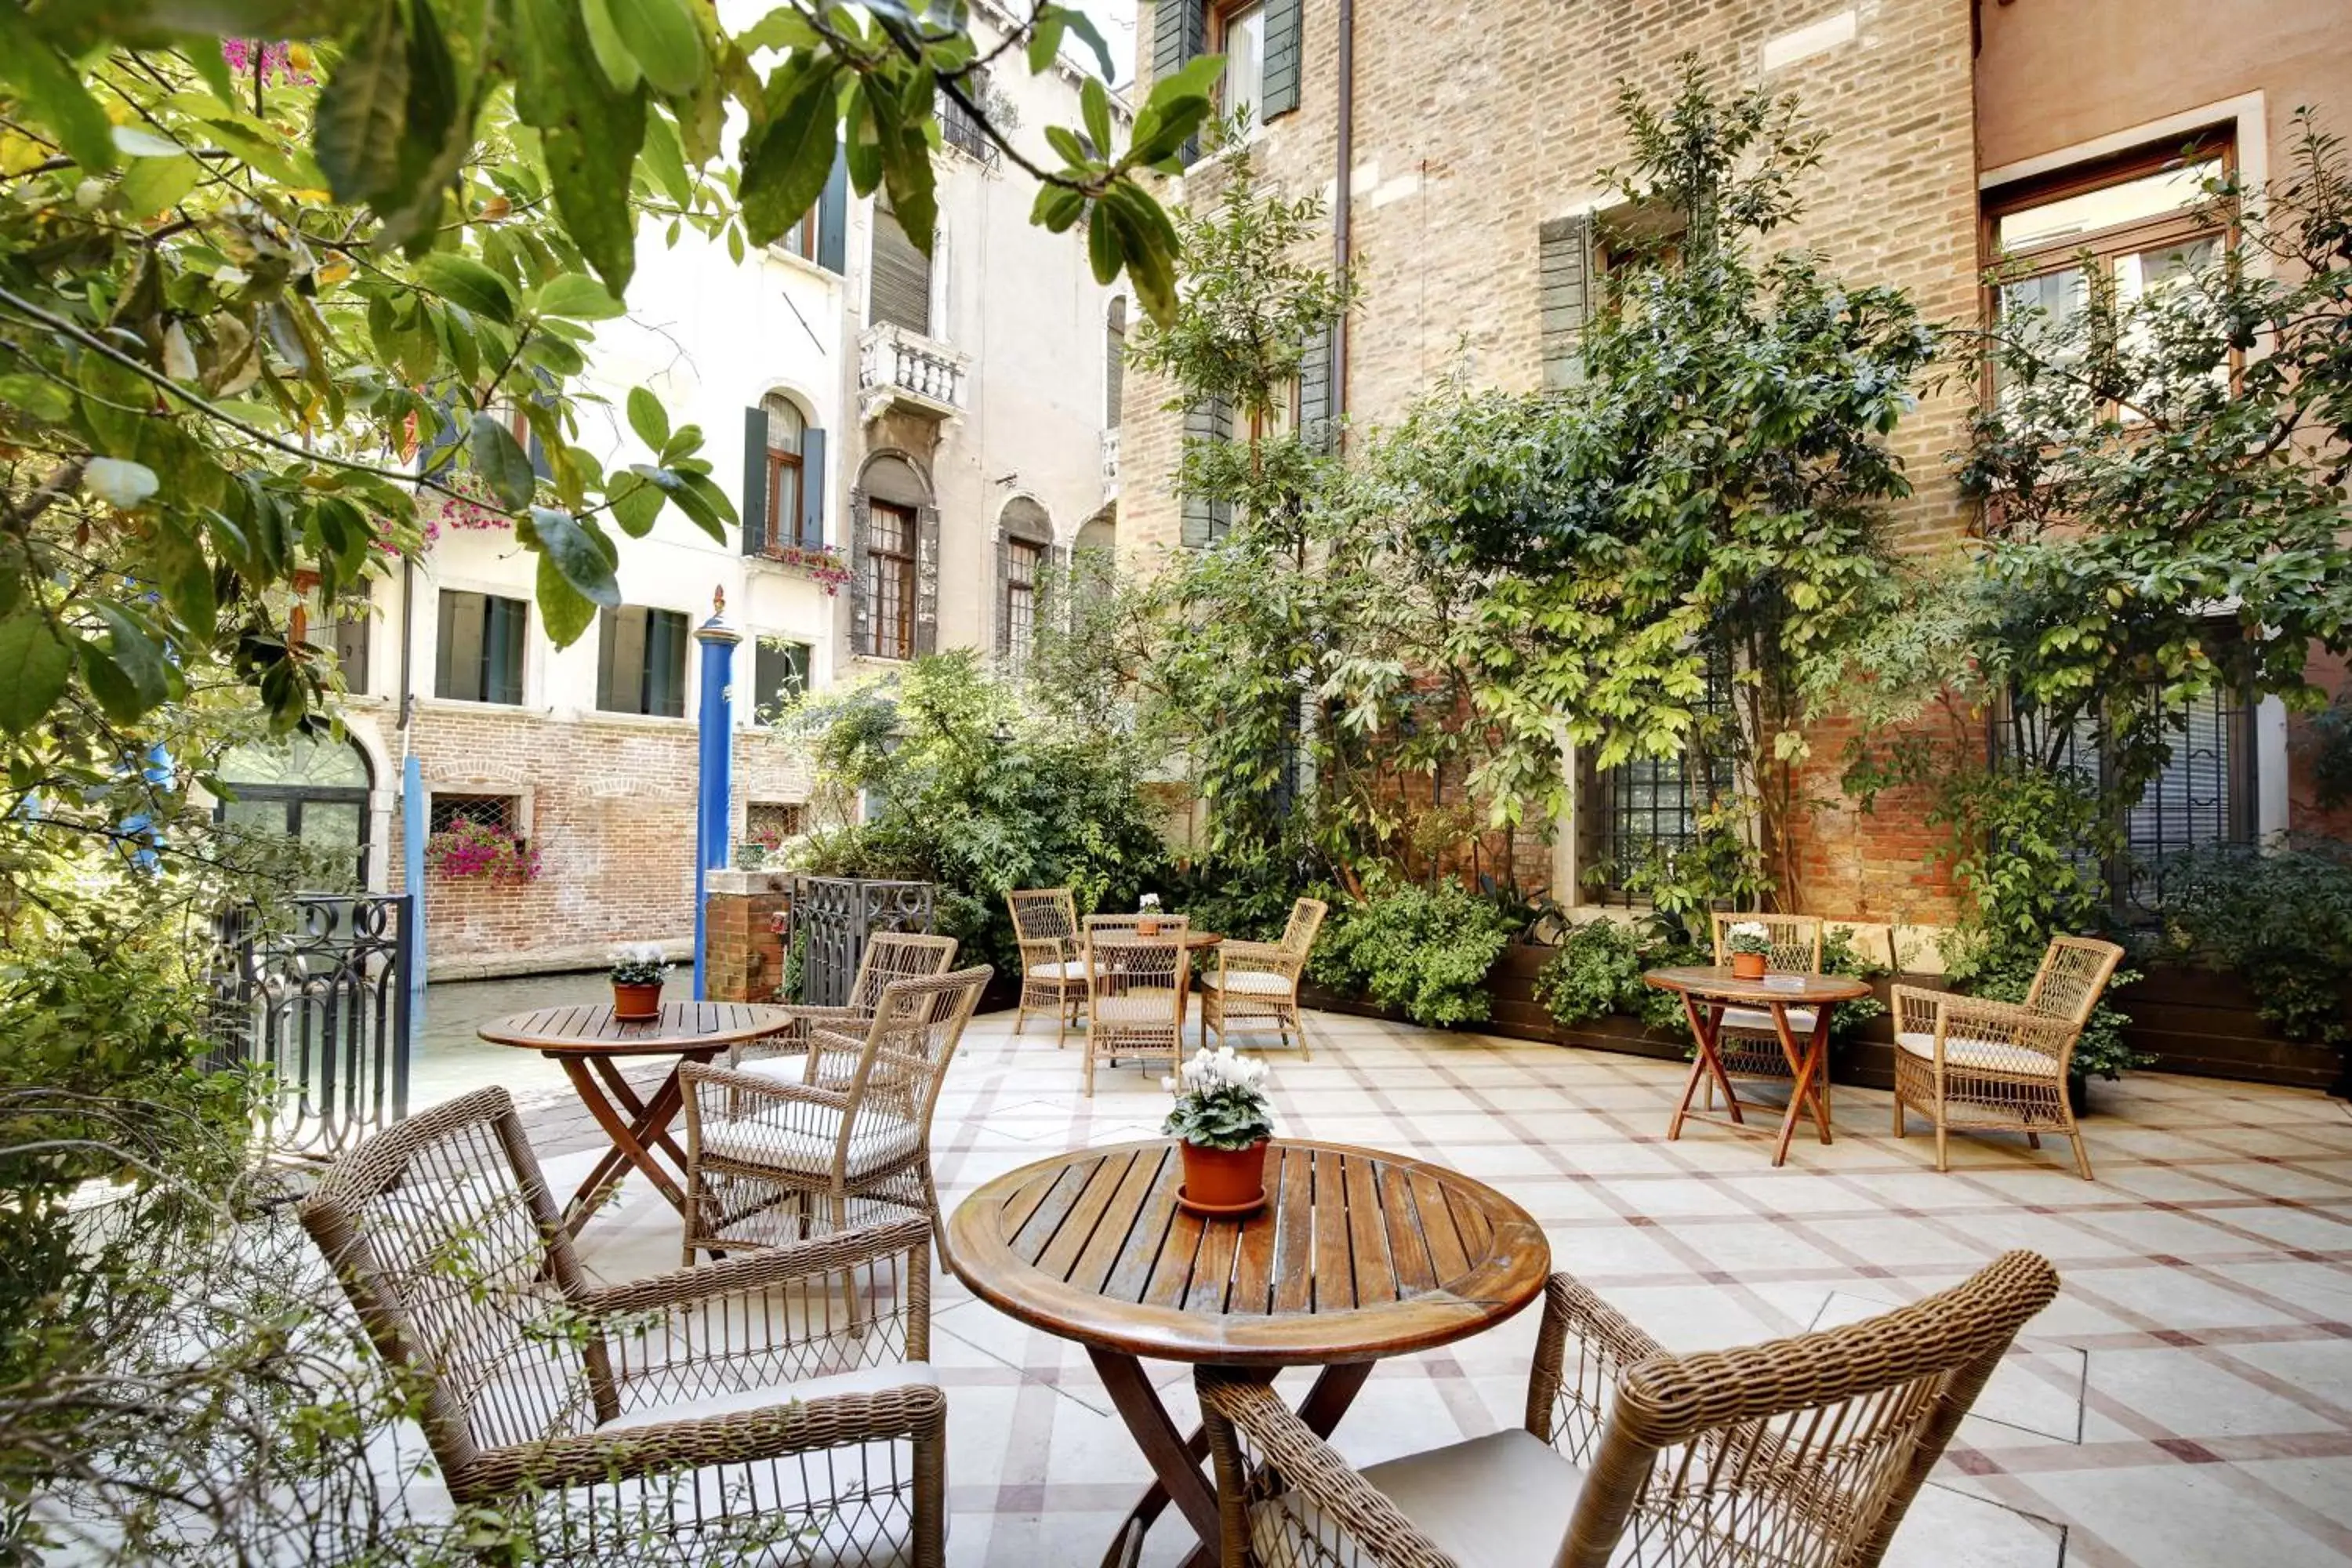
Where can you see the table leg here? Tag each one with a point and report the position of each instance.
(1802, 1067)
(628, 1145)
(655, 1134)
(1704, 1025)
(1176, 1461)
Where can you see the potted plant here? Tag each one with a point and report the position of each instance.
(638, 971)
(1222, 1120)
(1750, 945)
(1147, 910)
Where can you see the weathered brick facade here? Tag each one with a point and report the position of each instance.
(743, 958)
(610, 803)
(1474, 125)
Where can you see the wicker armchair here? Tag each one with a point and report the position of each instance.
(1260, 979)
(769, 1162)
(890, 955)
(1801, 1451)
(1746, 1042)
(1985, 1065)
(741, 1412)
(1135, 994)
(1053, 968)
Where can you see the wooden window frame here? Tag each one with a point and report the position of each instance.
(1020, 586)
(892, 616)
(801, 238)
(1221, 17)
(782, 465)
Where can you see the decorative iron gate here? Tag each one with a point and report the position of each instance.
(324, 1008)
(833, 916)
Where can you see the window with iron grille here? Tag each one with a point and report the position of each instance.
(768, 823)
(2203, 795)
(500, 813)
(1022, 559)
(641, 661)
(890, 578)
(1648, 806)
(960, 127)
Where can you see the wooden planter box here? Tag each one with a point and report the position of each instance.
(2194, 1021)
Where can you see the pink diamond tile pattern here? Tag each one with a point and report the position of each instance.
(2185, 1401)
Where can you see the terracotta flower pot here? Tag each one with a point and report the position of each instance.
(637, 1001)
(1748, 965)
(1225, 1181)
(1147, 928)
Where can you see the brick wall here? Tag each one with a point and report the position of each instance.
(612, 814)
(1474, 124)
(744, 961)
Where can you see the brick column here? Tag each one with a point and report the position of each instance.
(745, 961)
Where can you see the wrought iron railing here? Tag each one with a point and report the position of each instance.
(833, 916)
(323, 1007)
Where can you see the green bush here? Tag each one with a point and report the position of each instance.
(2281, 920)
(1423, 950)
(1597, 973)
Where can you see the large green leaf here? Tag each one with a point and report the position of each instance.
(363, 109)
(149, 185)
(563, 609)
(499, 459)
(576, 554)
(662, 36)
(579, 297)
(589, 133)
(462, 281)
(787, 159)
(636, 503)
(34, 663)
(53, 91)
(613, 56)
(648, 418)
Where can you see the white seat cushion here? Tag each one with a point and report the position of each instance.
(837, 1532)
(1759, 1020)
(1502, 1500)
(1992, 1056)
(807, 1147)
(776, 1069)
(1252, 981)
(1070, 971)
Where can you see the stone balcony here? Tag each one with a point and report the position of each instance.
(902, 369)
(1110, 464)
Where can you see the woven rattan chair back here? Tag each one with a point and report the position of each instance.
(897, 955)
(1045, 918)
(2073, 972)
(1796, 941)
(1128, 925)
(917, 1024)
(1803, 1452)
(449, 1245)
(1306, 921)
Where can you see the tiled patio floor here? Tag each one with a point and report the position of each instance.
(2186, 1400)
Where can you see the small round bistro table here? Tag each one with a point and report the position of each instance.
(589, 1044)
(1357, 1255)
(1708, 993)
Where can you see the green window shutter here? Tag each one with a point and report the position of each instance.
(1204, 519)
(812, 518)
(1282, 57)
(1180, 30)
(608, 666)
(503, 621)
(665, 668)
(832, 218)
(1314, 400)
(755, 479)
(1565, 293)
(453, 674)
(861, 611)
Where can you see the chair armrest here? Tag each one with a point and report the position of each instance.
(1918, 1011)
(917, 1412)
(750, 1320)
(792, 1039)
(1263, 1449)
(1266, 956)
(703, 1085)
(1037, 950)
(1568, 1401)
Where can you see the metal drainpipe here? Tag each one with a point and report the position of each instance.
(1343, 198)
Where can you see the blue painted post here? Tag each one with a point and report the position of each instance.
(716, 774)
(413, 829)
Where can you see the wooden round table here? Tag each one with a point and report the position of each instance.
(1709, 991)
(589, 1043)
(1357, 1255)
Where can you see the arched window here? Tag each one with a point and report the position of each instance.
(785, 427)
(783, 478)
(1114, 361)
(895, 569)
(313, 791)
(1025, 536)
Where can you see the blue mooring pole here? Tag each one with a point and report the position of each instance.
(413, 830)
(716, 774)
